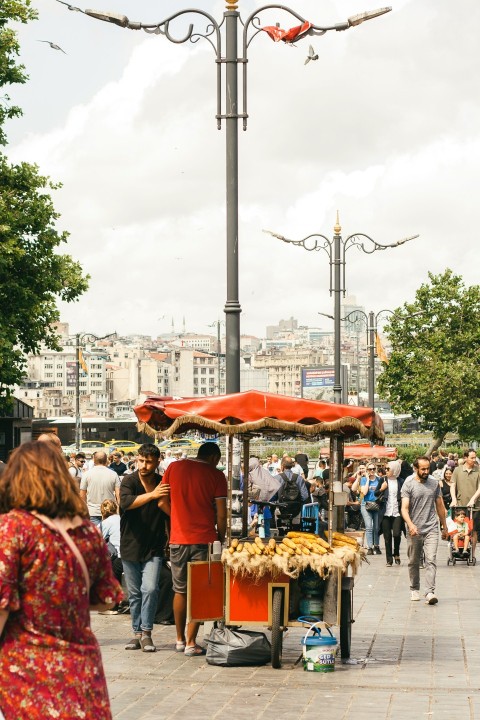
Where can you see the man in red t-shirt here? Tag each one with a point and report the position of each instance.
(198, 516)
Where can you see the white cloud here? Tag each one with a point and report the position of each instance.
(383, 127)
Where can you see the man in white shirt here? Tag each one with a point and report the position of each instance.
(99, 484)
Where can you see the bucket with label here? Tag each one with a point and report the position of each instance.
(318, 650)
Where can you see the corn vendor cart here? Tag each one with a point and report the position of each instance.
(306, 573)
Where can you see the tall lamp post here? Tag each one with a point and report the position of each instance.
(371, 321)
(213, 33)
(336, 250)
(80, 339)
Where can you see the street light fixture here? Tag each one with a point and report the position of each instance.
(80, 339)
(336, 250)
(212, 32)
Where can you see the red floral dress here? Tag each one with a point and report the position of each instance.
(50, 662)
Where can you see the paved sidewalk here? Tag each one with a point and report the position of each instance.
(410, 661)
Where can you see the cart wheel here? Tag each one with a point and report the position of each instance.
(277, 631)
(345, 624)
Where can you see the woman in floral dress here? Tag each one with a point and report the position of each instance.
(50, 662)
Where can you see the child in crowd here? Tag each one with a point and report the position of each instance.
(463, 532)
(111, 534)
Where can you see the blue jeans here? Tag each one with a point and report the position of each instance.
(142, 580)
(371, 525)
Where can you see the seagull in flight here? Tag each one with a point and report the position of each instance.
(53, 46)
(312, 55)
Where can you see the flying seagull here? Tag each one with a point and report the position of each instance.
(71, 7)
(53, 46)
(312, 55)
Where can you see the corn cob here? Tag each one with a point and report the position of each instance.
(272, 543)
(286, 549)
(249, 548)
(345, 538)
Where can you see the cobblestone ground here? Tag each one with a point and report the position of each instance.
(410, 661)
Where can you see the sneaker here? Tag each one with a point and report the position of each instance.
(377, 550)
(370, 551)
(415, 595)
(389, 563)
(431, 599)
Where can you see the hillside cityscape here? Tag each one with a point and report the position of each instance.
(117, 372)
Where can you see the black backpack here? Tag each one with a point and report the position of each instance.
(289, 493)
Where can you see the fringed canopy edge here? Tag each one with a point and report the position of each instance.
(251, 428)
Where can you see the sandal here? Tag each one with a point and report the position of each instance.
(195, 650)
(133, 644)
(147, 645)
(179, 646)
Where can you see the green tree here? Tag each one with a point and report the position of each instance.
(433, 371)
(34, 275)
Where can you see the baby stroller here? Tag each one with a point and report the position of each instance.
(455, 556)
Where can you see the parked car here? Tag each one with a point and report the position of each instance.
(86, 446)
(124, 446)
(184, 444)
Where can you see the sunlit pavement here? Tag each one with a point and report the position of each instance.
(409, 661)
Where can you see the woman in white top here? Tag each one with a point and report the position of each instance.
(392, 522)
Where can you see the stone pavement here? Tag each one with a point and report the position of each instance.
(410, 661)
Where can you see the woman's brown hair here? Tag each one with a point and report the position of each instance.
(37, 478)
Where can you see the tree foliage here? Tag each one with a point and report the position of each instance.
(433, 372)
(33, 274)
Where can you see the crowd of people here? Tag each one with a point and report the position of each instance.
(73, 529)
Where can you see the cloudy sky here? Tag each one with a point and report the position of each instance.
(384, 128)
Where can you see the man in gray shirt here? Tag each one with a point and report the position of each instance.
(422, 506)
(99, 484)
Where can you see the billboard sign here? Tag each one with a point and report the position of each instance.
(318, 382)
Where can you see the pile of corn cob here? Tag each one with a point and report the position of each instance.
(295, 543)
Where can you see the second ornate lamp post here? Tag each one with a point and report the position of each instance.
(228, 111)
(336, 250)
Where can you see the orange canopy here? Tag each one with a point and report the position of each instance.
(255, 413)
(364, 450)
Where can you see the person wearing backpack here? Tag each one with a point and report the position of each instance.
(293, 491)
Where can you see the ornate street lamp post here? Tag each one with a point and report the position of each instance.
(336, 250)
(80, 339)
(213, 33)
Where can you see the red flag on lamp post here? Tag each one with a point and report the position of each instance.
(287, 36)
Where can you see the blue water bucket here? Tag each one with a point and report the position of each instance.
(318, 650)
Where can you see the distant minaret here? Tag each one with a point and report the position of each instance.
(184, 324)
(173, 327)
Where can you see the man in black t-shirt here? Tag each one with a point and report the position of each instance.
(142, 542)
(117, 465)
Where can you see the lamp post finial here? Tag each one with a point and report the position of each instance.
(337, 229)
(232, 4)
